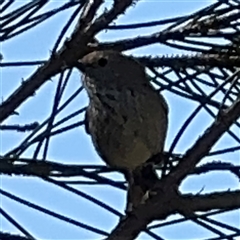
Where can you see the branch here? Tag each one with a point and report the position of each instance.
(8, 236)
(218, 166)
(31, 167)
(205, 143)
(195, 25)
(207, 202)
(164, 205)
(73, 49)
(191, 61)
(137, 221)
(20, 128)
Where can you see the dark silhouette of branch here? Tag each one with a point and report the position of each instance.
(18, 128)
(165, 205)
(66, 56)
(10, 236)
(17, 22)
(206, 202)
(218, 166)
(211, 70)
(164, 200)
(204, 144)
(31, 167)
(51, 213)
(192, 61)
(16, 224)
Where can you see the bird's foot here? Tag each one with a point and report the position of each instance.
(131, 206)
(148, 195)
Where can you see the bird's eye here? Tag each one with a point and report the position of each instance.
(102, 62)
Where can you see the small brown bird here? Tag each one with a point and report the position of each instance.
(126, 118)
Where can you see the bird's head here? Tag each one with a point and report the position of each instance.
(107, 68)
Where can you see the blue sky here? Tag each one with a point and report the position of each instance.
(76, 147)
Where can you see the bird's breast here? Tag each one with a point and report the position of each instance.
(126, 127)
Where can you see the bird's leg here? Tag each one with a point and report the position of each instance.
(130, 181)
(134, 193)
(141, 182)
(147, 179)
(165, 163)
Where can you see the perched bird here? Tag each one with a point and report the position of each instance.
(126, 117)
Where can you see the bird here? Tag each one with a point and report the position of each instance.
(126, 118)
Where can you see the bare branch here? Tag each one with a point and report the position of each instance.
(20, 128)
(68, 54)
(31, 167)
(187, 61)
(8, 236)
(161, 206)
(204, 144)
(219, 200)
